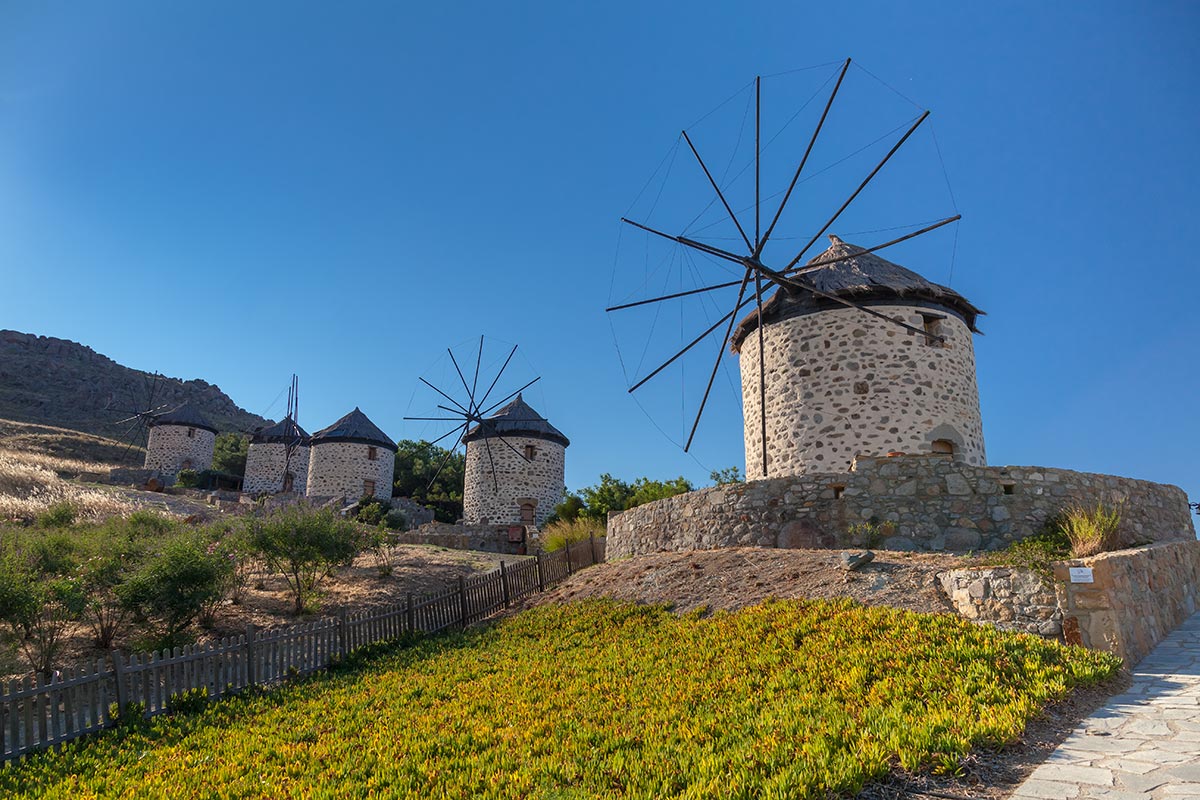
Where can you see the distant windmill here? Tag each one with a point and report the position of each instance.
(140, 413)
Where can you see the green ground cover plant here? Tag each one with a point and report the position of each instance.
(802, 699)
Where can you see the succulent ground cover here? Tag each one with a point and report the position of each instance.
(602, 699)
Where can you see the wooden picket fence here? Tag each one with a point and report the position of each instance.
(36, 714)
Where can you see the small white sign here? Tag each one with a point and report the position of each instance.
(1081, 574)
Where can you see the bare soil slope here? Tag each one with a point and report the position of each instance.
(740, 576)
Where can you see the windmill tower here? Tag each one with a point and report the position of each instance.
(840, 383)
(352, 458)
(180, 439)
(515, 470)
(277, 459)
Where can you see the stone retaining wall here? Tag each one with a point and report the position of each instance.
(1010, 598)
(488, 538)
(1136, 598)
(917, 502)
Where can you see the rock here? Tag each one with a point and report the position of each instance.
(961, 540)
(901, 543)
(857, 559)
(957, 484)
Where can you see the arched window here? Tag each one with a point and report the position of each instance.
(944, 446)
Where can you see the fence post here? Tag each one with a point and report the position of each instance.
(250, 665)
(568, 556)
(409, 616)
(541, 582)
(343, 629)
(592, 546)
(504, 583)
(122, 689)
(462, 598)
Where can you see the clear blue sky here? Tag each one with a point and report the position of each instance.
(238, 191)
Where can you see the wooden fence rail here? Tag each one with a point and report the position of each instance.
(36, 714)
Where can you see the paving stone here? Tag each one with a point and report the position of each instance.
(1071, 773)
(1046, 790)
(1187, 772)
(1148, 727)
(1128, 765)
(1143, 783)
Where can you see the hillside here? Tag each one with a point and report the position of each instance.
(57, 382)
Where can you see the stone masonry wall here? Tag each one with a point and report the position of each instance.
(266, 463)
(338, 469)
(1009, 598)
(930, 502)
(170, 449)
(841, 383)
(1136, 598)
(541, 480)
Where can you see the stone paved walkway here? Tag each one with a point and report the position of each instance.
(1144, 743)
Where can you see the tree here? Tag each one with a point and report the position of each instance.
(39, 607)
(305, 546)
(614, 494)
(725, 476)
(646, 490)
(229, 453)
(416, 465)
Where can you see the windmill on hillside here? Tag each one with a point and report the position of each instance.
(515, 459)
(835, 313)
(144, 403)
(277, 458)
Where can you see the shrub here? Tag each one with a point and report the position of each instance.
(371, 512)
(187, 478)
(868, 534)
(1092, 530)
(39, 608)
(396, 520)
(556, 535)
(305, 546)
(60, 515)
(1036, 553)
(172, 588)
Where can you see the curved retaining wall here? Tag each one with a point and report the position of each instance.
(931, 502)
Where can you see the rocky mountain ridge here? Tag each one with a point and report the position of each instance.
(51, 381)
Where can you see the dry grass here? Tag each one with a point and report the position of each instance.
(30, 485)
(1092, 530)
(67, 444)
(556, 535)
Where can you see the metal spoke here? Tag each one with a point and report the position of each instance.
(763, 241)
(478, 360)
(701, 246)
(689, 346)
(495, 380)
(717, 189)
(460, 429)
(445, 435)
(720, 355)
(498, 403)
(762, 371)
(495, 480)
(443, 394)
(757, 156)
(861, 186)
(794, 271)
(470, 398)
(492, 427)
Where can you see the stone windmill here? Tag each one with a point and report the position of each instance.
(844, 354)
(515, 459)
(278, 455)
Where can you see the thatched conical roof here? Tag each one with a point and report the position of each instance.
(354, 427)
(186, 415)
(517, 419)
(862, 277)
(286, 431)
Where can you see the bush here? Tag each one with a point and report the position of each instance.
(1036, 553)
(396, 520)
(39, 608)
(173, 587)
(1092, 530)
(60, 515)
(305, 546)
(371, 512)
(187, 478)
(556, 535)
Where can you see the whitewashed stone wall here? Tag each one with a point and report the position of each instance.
(266, 464)
(170, 449)
(841, 383)
(541, 480)
(338, 469)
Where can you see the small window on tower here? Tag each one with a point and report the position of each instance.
(191, 433)
(934, 332)
(368, 488)
(372, 453)
(530, 452)
(944, 446)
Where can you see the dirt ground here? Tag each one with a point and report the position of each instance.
(737, 577)
(741, 576)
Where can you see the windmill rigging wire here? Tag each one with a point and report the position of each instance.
(945, 172)
(802, 69)
(887, 85)
(719, 106)
(669, 154)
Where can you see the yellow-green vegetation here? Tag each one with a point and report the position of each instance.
(1092, 530)
(556, 535)
(601, 699)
